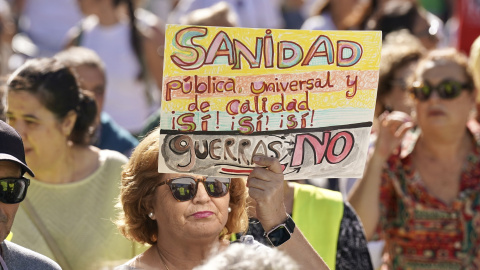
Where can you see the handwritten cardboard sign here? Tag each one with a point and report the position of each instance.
(305, 97)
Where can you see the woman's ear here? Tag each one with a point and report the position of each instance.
(69, 122)
(149, 205)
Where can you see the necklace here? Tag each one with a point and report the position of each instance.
(161, 257)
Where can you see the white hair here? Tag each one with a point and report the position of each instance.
(248, 257)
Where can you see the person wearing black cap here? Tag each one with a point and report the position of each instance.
(13, 188)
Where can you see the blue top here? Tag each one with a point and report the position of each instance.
(112, 136)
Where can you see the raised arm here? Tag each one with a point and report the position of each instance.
(265, 184)
(365, 195)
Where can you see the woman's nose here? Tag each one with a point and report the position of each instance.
(202, 195)
(434, 96)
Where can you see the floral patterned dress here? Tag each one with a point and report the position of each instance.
(421, 231)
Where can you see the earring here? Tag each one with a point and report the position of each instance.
(150, 215)
(229, 209)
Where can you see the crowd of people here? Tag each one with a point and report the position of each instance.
(79, 113)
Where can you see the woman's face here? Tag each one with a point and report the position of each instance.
(398, 98)
(443, 113)
(41, 132)
(201, 217)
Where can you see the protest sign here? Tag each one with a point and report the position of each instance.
(305, 97)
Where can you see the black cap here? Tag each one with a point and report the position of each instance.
(11, 147)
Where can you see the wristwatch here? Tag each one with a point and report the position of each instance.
(281, 233)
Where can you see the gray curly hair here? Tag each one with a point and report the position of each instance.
(246, 257)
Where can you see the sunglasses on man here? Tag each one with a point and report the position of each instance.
(13, 190)
(185, 188)
(448, 89)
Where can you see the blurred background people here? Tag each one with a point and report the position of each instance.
(161, 8)
(400, 54)
(90, 72)
(7, 31)
(75, 184)
(13, 189)
(250, 13)
(399, 57)
(292, 13)
(398, 14)
(420, 188)
(133, 57)
(337, 15)
(43, 25)
(219, 14)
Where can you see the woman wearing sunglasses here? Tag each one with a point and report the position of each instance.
(183, 217)
(421, 187)
(67, 214)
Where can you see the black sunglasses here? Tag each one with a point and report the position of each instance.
(447, 89)
(185, 188)
(13, 190)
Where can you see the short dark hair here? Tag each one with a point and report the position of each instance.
(56, 88)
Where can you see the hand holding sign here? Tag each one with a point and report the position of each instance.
(306, 98)
(265, 186)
